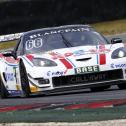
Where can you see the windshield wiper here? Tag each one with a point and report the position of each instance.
(66, 42)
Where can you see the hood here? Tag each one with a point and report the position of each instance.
(81, 55)
(77, 56)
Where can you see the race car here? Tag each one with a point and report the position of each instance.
(64, 58)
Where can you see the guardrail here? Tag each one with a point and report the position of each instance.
(10, 37)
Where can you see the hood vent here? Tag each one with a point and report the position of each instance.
(83, 59)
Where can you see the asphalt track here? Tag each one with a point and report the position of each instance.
(82, 96)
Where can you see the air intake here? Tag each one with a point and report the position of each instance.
(83, 59)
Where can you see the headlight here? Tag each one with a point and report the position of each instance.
(119, 53)
(41, 62)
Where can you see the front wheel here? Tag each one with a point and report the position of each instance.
(3, 90)
(24, 80)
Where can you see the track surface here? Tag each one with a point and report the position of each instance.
(83, 96)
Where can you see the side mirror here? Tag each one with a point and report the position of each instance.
(9, 54)
(116, 40)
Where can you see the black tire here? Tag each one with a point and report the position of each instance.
(3, 90)
(101, 88)
(122, 86)
(24, 80)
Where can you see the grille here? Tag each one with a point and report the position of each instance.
(87, 78)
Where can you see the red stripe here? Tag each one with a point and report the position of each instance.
(100, 104)
(66, 63)
(1, 55)
(30, 57)
(22, 107)
(102, 56)
(102, 59)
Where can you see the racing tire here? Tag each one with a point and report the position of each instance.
(101, 88)
(3, 90)
(122, 86)
(24, 81)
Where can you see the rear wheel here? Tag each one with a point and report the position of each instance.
(24, 81)
(3, 90)
(101, 88)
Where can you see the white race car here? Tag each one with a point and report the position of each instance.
(62, 59)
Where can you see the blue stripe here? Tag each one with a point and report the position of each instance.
(15, 92)
(11, 64)
(97, 56)
(27, 61)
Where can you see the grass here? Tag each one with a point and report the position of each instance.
(106, 28)
(9, 44)
(111, 27)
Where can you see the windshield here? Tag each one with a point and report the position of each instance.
(37, 43)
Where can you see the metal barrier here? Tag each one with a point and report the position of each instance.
(10, 37)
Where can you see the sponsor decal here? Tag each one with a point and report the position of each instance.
(15, 92)
(88, 78)
(57, 73)
(95, 51)
(123, 65)
(87, 69)
(56, 55)
(58, 31)
(9, 76)
(99, 49)
(79, 53)
(68, 54)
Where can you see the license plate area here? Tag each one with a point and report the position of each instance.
(88, 78)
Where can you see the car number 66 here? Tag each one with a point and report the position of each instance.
(38, 42)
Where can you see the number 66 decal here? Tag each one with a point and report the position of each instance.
(34, 43)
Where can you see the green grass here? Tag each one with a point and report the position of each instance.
(106, 28)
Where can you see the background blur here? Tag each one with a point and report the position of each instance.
(24, 15)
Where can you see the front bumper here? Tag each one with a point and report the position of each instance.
(88, 80)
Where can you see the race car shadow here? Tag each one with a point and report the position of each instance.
(81, 91)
